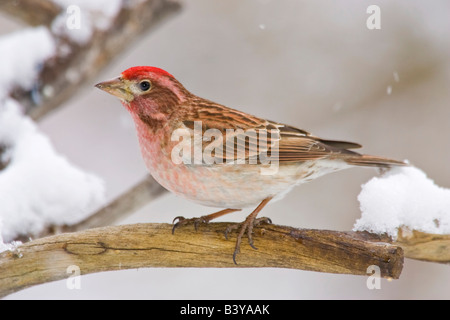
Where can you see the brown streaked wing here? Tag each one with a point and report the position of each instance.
(241, 131)
(293, 144)
(300, 145)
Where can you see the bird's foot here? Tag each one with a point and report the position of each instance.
(181, 221)
(245, 227)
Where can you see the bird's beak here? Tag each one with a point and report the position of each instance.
(117, 87)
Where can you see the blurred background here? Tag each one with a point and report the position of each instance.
(311, 64)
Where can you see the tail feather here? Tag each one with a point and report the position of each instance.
(374, 161)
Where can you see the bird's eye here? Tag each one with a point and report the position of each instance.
(145, 85)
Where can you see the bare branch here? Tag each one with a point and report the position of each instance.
(32, 12)
(124, 205)
(138, 196)
(424, 246)
(153, 245)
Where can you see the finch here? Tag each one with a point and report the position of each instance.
(222, 157)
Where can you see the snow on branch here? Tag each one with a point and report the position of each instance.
(411, 209)
(42, 67)
(38, 186)
(404, 198)
(86, 36)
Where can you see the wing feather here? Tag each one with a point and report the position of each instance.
(247, 137)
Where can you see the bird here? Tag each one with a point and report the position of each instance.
(222, 157)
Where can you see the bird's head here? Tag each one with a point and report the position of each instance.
(146, 91)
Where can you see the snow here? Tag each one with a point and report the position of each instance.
(403, 197)
(39, 187)
(19, 65)
(78, 20)
(389, 90)
(8, 246)
(108, 7)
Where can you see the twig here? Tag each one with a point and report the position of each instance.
(153, 245)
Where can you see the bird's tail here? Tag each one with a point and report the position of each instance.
(373, 161)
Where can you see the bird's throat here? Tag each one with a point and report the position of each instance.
(152, 122)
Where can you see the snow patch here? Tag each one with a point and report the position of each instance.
(403, 197)
(78, 20)
(8, 246)
(19, 65)
(39, 188)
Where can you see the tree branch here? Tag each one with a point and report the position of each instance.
(75, 64)
(153, 245)
(127, 203)
(425, 246)
(124, 205)
(32, 12)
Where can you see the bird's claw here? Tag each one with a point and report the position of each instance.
(245, 227)
(183, 221)
(256, 223)
(261, 220)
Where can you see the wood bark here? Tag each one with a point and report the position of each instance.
(32, 12)
(424, 246)
(153, 245)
